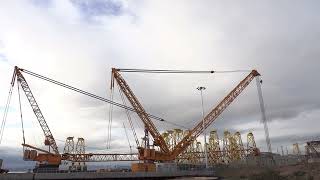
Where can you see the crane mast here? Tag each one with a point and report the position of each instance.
(149, 125)
(49, 139)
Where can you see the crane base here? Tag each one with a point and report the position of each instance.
(143, 167)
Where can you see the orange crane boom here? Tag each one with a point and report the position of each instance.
(144, 153)
(158, 139)
(49, 139)
(165, 154)
(211, 116)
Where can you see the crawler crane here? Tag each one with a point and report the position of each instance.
(51, 159)
(149, 154)
(146, 153)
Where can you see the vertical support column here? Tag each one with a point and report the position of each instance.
(204, 128)
(263, 114)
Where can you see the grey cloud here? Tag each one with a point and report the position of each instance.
(95, 8)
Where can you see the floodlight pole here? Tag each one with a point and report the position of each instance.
(201, 88)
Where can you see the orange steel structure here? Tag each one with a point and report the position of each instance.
(52, 157)
(165, 154)
(146, 153)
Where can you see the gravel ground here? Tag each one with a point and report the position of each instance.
(294, 172)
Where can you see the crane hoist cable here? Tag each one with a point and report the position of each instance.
(5, 114)
(177, 71)
(94, 96)
(85, 93)
(21, 118)
(110, 120)
(129, 119)
(125, 130)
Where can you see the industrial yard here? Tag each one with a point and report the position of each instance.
(171, 154)
(116, 89)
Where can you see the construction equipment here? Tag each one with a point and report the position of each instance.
(147, 153)
(46, 159)
(51, 159)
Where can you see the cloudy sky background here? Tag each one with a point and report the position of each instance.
(78, 41)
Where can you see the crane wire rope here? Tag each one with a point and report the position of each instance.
(110, 120)
(129, 118)
(125, 130)
(178, 71)
(21, 117)
(93, 95)
(4, 119)
(86, 93)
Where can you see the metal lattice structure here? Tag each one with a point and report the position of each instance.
(92, 157)
(158, 139)
(214, 151)
(80, 147)
(49, 139)
(313, 149)
(240, 150)
(165, 154)
(226, 147)
(251, 145)
(69, 146)
(296, 149)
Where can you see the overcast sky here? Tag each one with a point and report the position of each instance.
(78, 41)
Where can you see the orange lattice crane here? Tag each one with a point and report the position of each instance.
(146, 153)
(51, 159)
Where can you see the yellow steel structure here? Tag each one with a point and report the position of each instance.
(231, 146)
(226, 147)
(214, 151)
(251, 145)
(240, 150)
(296, 149)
